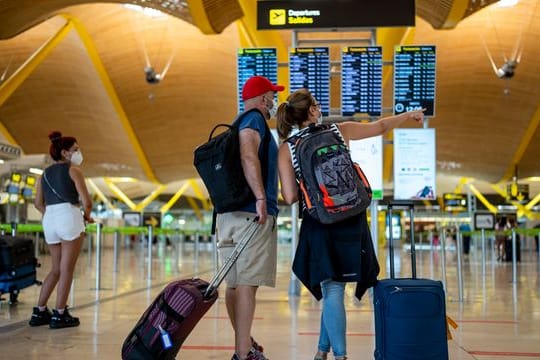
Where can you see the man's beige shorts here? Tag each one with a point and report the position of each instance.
(256, 265)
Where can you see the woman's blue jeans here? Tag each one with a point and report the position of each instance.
(333, 320)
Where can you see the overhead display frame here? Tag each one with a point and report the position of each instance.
(361, 81)
(255, 61)
(316, 14)
(484, 221)
(310, 68)
(414, 78)
(455, 202)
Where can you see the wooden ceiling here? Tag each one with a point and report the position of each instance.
(486, 126)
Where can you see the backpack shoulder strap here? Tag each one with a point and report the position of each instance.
(336, 131)
(291, 142)
(265, 140)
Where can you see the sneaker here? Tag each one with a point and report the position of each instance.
(321, 355)
(256, 346)
(40, 317)
(59, 321)
(253, 354)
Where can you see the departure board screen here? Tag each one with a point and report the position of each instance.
(361, 81)
(414, 79)
(255, 61)
(310, 68)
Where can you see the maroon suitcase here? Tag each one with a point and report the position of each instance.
(168, 321)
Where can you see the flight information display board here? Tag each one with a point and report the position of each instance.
(361, 81)
(414, 79)
(310, 68)
(255, 61)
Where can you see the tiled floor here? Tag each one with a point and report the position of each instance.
(497, 319)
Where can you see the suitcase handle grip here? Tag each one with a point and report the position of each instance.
(410, 206)
(224, 270)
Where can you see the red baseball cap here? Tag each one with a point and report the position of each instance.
(258, 85)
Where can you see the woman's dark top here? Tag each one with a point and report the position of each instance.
(341, 251)
(58, 177)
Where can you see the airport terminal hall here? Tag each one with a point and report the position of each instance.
(270, 179)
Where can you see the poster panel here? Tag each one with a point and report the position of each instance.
(414, 164)
(368, 154)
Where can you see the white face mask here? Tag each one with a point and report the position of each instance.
(77, 158)
(272, 111)
(320, 118)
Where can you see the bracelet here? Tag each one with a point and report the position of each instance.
(262, 199)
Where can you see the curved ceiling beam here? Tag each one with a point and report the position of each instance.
(446, 14)
(111, 92)
(100, 194)
(147, 200)
(213, 16)
(20, 15)
(174, 198)
(210, 16)
(523, 145)
(23, 72)
(456, 13)
(8, 87)
(5, 132)
(200, 17)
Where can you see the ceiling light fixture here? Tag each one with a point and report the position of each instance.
(145, 10)
(35, 171)
(124, 179)
(507, 3)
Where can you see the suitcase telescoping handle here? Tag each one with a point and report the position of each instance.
(224, 270)
(410, 206)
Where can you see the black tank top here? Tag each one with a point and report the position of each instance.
(58, 177)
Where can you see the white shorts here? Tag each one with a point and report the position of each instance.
(62, 221)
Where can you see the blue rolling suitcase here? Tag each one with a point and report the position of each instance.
(410, 314)
(17, 266)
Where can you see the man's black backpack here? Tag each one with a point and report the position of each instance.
(219, 166)
(333, 187)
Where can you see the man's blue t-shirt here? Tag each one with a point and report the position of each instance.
(255, 120)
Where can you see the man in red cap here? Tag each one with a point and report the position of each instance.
(256, 265)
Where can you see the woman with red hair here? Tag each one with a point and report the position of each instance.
(59, 194)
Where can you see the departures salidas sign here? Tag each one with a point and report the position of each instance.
(277, 14)
(302, 16)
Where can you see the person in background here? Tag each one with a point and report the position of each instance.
(500, 238)
(314, 263)
(256, 265)
(465, 229)
(60, 192)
